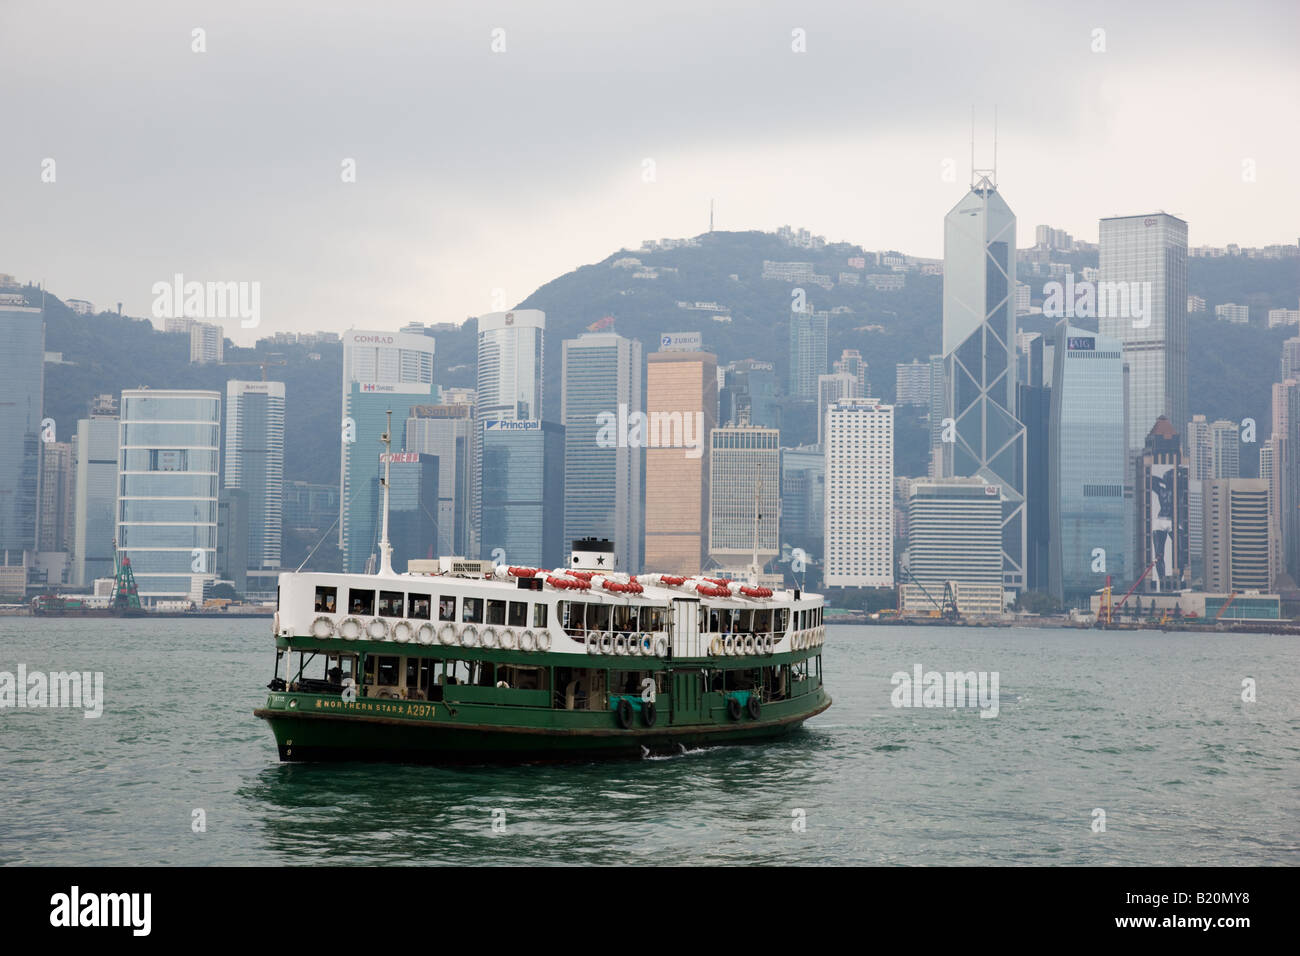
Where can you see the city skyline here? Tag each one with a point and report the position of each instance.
(424, 252)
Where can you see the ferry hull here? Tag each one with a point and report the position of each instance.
(306, 737)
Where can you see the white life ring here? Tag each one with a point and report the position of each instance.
(751, 645)
(607, 643)
(469, 636)
(543, 640)
(350, 628)
(715, 647)
(377, 629)
(620, 644)
(593, 644)
(401, 632)
(446, 633)
(769, 645)
(426, 634)
(322, 627)
(527, 641)
(508, 640)
(489, 638)
(661, 646)
(647, 645)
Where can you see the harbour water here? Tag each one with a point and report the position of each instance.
(1150, 728)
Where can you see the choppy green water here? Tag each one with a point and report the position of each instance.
(1149, 727)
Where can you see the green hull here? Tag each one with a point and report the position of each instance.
(322, 728)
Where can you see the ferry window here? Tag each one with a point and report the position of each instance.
(361, 602)
(652, 618)
(496, 612)
(713, 621)
(446, 608)
(746, 621)
(325, 598)
(762, 621)
(412, 672)
(539, 615)
(388, 670)
(782, 619)
(390, 603)
(472, 611)
(419, 605)
(598, 617)
(518, 614)
(621, 619)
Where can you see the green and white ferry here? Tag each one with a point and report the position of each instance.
(459, 660)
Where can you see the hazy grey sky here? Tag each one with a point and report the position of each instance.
(478, 170)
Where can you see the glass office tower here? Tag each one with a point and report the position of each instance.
(523, 492)
(22, 390)
(1087, 466)
(1148, 254)
(167, 490)
(602, 469)
(979, 279)
(255, 463)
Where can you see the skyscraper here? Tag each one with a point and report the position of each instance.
(1162, 510)
(912, 383)
(511, 361)
(851, 363)
(367, 406)
(22, 391)
(600, 390)
(954, 536)
(450, 432)
(681, 408)
(255, 463)
(1237, 547)
(1291, 358)
(830, 390)
(1144, 258)
(55, 517)
(95, 494)
(979, 275)
(807, 352)
(859, 508)
(744, 488)
(523, 492)
(1226, 444)
(380, 370)
(412, 506)
(168, 468)
(1088, 465)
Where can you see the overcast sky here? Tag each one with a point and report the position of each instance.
(478, 170)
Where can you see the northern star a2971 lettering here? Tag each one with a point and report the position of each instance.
(461, 660)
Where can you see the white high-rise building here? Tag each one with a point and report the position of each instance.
(912, 383)
(386, 357)
(831, 389)
(954, 537)
(255, 463)
(1151, 252)
(1225, 440)
(95, 497)
(511, 358)
(859, 496)
(207, 343)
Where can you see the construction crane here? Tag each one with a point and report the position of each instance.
(948, 609)
(1111, 612)
(1231, 597)
(263, 364)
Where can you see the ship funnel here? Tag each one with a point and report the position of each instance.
(593, 554)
